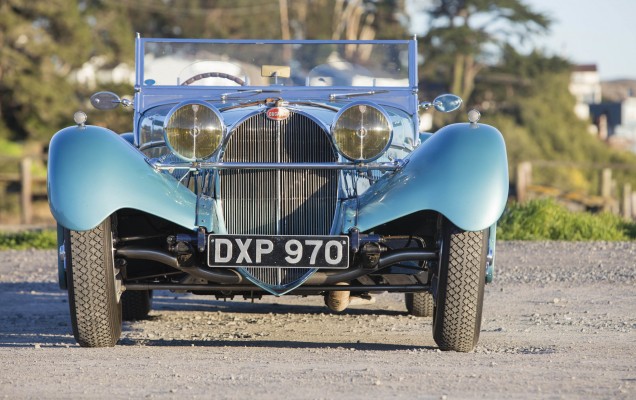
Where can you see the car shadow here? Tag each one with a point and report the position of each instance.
(269, 305)
(276, 344)
(37, 314)
(34, 313)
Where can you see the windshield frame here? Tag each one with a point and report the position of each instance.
(411, 64)
(403, 98)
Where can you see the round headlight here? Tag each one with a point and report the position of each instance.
(362, 131)
(194, 130)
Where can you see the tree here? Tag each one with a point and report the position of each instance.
(467, 34)
(529, 101)
(40, 44)
(44, 43)
(366, 20)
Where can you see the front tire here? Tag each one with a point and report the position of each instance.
(94, 286)
(460, 288)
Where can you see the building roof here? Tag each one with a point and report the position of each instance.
(585, 68)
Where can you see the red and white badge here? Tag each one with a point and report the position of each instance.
(278, 113)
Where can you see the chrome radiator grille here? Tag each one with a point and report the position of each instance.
(279, 202)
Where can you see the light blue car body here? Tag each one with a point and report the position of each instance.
(93, 172)
(461, 171)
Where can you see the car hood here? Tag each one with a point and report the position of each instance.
(152, 120)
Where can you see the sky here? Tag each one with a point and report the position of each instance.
(601, 32)
(593, 32)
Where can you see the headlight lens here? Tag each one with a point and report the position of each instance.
(362, 132)
(194, 131)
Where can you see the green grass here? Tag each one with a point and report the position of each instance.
(547, 220)
(45, 239)
(10, 149)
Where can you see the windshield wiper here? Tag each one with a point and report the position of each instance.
(334, 96)
(230, 95)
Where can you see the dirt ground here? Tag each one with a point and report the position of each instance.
(559, 322)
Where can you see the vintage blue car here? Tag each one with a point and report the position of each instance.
(265, 167)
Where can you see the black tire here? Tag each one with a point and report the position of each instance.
(93, 286)
(419, 304)
(460, 288)
(136, 304)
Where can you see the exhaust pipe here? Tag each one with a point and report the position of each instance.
(395, 256)
(234, 278)
(386, 259)
(216, 276)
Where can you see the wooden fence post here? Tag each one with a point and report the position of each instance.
(524, 179)
(26, 192)
(606, 189)
(634, 205)
(615, 200)
(627, 201)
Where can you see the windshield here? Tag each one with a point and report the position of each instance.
(271, 63)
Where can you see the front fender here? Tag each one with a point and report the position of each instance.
(93, 172)
(461, 172)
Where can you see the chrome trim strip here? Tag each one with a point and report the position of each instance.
(334, 96)
(385, 166)
(276, 41)
(279, 182)
(152, 145)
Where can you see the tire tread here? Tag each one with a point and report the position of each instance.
(136, 304)
(419, 304)
(459, 320)
(95, 314)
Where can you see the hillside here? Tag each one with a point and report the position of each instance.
(618, 90)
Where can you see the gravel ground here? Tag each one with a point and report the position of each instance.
(559, 322)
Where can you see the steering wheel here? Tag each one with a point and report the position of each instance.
(213, 75)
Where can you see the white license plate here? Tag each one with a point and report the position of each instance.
(233, 251)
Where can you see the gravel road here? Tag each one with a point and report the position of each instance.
(559, 322)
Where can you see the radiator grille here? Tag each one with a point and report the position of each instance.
(279, 202)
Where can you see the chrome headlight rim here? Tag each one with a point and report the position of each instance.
(210, 107)
(367, 103)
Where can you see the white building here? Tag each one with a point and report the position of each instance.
(93, 73)
(627, 127)
(585, 86)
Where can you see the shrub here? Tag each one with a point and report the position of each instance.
(46, 239)
(545, 219)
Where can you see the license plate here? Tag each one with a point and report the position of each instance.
(278, 251)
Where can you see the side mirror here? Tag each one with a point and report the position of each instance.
(444, 103)
(108, 101)
(447, 103)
